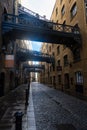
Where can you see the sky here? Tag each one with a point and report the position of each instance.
(42, 7)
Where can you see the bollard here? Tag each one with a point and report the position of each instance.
(27, 94)
(28, 86)
(18, 120)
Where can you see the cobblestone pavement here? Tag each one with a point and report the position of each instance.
(55, 110)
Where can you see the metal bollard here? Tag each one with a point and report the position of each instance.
(28, 86)
(27, 94)
(18, 120)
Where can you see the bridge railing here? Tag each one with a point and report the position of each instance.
(33, 22)
(35, 54)
(34, 66)
(23, 9)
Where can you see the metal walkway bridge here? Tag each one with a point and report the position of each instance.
(23, 55)
(38, 66)
(31, 26)
(34, 70)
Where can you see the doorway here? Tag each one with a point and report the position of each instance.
(54, 82)
(66, 81)
(2, 83)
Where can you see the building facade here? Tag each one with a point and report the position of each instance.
(7, 75)
(44, 73)
(70, 70)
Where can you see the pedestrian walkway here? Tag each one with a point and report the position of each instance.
(15, 102)
(29, 117)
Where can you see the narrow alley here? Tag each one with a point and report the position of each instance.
(43, 65)
(48, 109)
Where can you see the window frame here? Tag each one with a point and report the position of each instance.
(65, 58)
(73, 10)
(85, 10)
(63, 10)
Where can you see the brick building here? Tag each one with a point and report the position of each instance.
(7, 75)
(70, 71)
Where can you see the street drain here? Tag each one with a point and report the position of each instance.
(66, 127)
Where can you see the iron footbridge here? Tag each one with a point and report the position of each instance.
(23, 55)
(33, 70)
(34, 66)
(30, 26)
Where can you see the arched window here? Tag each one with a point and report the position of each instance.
(5, 12)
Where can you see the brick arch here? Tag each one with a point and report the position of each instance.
(4, 11)
(4, 8)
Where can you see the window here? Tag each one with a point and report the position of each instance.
(56, 11)
(79, 77)
(63, 10)
(64, 22)
(52, 45)
(58, 50)
(53, 54)
(73, 10)
(50, 68)
(76, 55)
(53, 67)
(65, 60)
(59, 79)
(59, 67)
(50, 49)
(61, 1)
(57, 21)
(86, 9)
(58, 62)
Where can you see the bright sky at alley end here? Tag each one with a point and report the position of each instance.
(42, 7)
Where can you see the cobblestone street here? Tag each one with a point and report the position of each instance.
(55, 110)
(48, 109)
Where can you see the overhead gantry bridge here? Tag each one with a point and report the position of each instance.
(23, 55)
(33, 70)
(37, 66)
(31, 26)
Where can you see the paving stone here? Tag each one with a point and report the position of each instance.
(54, 110)
(66, 127)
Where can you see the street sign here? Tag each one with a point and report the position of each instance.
(9, 61)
